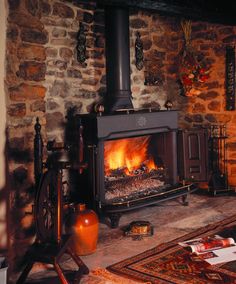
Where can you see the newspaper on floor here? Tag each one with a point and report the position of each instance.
(213, 250)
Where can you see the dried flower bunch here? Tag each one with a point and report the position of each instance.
(193, 71)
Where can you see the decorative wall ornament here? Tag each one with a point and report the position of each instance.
(230, 77)
(193, 70)
(152, 75)
(81, 44)
(168, 105)
(138, 52)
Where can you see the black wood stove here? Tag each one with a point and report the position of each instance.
(131, 154)
(110, 184)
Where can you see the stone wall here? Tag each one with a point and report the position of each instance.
(45, 80)
(163, 41)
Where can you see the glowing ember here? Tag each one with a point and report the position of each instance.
(128, 156)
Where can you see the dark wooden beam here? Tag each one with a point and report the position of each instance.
(210, 11)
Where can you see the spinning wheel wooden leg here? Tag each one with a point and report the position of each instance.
(50, 243)
(60, 273)
(25, 273)
(51, 254)
(82, 267)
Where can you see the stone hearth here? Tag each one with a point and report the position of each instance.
(170, 220)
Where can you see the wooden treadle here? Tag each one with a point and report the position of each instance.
(51, 253)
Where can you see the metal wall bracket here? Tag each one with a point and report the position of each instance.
(230, 78)
(81, 45)
(138, 52)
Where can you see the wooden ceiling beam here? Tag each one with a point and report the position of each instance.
(210, 11)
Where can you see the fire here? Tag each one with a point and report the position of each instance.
(128, 155)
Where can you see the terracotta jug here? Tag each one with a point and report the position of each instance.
(84, 230)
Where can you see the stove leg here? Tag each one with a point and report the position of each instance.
(115, 218)
(185, 199)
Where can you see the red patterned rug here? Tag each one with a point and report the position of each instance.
(171, 263)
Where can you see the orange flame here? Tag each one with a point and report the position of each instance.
(127, 154)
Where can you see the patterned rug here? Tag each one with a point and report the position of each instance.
(95, 276)
(171, 263)
(102, 276)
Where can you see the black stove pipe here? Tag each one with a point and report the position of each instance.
(118, 94)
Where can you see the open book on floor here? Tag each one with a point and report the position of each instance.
(213, 250)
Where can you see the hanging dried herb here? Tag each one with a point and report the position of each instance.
(193, 71)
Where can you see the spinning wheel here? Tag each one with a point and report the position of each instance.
(50, 242)
(46, 206)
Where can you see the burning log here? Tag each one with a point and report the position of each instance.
(119, 176)
(131, 186)
(115, 174)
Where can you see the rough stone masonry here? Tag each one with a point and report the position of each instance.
(44, 79)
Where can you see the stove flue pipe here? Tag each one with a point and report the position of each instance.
(118, 94)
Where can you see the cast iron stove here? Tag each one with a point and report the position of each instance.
(121, 189)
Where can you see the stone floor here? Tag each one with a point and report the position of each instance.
(170, 220)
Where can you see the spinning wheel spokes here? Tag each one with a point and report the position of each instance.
(46, 206)
(47, 211)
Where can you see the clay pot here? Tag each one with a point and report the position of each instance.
(84, 230)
